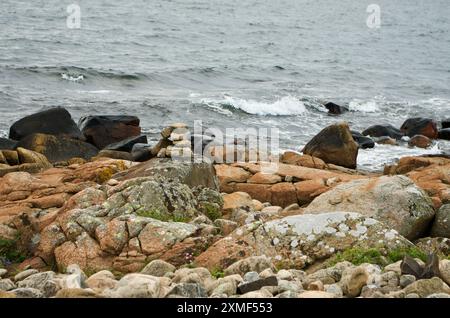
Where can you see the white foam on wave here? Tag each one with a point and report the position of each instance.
(71, 78)
(363, 106)
(287, 105)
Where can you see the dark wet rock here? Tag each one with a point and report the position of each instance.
(382, 131)
(335, 109)
(334, 144)
(420, 141)
(431, 268)
(58, 148)
(257, 284)
(441, 224)
(363, 141)
(420, 126)
(7, 144)
(55, 121)
(445, 123)
(127, 144)
(191, 173)
(409, 266)
(386, 141)
(444, 134)
(102, 131)
(142, 152)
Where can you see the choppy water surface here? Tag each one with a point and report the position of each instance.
(230, 63)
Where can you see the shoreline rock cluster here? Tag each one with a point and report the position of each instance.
(92, 210)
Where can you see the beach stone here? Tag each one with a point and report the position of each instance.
(190, 173)
(22, 275)
(42, 281)
(102, 280)
(298, 241)
(28, 156)
(58, 148)
(7, 284)
(334, 144)
(138, 286)
(53, 121)
(316, 294)
(250, 264)
(353, 280)
(395, 200)
(426, 287)
(187, 290)
(251, 277)
(28, 293)
(420, 126)
(444, 267)
(386, 141)
(316, 285)
(363, 141)
(406, 280)
(334, 289)
(383, 131)
(420, 141)
(263, 178)
(237, 200)
(76, 293)
(158, 268)
(3, 272)
(439, 295)
(441, 224)
(263, 293)
(105, 130)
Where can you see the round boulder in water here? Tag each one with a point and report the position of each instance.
(420, 126)
(334, 144)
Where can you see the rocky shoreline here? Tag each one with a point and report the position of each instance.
(93, 210)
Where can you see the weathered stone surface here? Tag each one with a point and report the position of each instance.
(158, 268)
(441, 224)
(102, 280)
(7, 284)
(137, 286)
(41, 281)
(334, 144)
(353, 280)
(298, 241)
(251, 264)
(58, 148)
(396, 201)
(191, 173)
(53, 121)
(28, 293)
(76, 293)
(426, 287)
(187, 290)
(237, 200)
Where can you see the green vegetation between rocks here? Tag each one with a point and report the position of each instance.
(358, 255)
(10, 252)
(217, 273)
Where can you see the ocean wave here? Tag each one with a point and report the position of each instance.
(284, 106)
(363, 106)
(75, 73)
